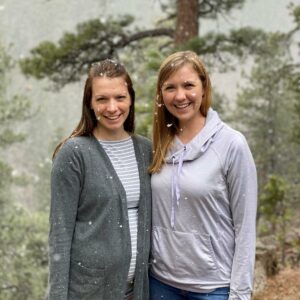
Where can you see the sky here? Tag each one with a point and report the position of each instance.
(270, 15)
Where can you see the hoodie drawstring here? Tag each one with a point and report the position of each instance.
(175, 184)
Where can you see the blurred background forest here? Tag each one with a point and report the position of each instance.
(250, 47)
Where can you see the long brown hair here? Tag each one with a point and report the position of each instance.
(162, 134)
(111, 69)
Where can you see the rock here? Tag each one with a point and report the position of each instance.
(266, 264)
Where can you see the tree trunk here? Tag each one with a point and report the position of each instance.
(187, 24)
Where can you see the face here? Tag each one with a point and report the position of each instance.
(111, 104)
(182, 95)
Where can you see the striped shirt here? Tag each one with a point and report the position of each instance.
(122, 156)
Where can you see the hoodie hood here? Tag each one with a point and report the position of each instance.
(199, 144)
(179, 153)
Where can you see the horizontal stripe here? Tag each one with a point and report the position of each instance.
(133, 226)
(122, 156)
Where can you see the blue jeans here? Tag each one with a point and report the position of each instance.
(162, 291)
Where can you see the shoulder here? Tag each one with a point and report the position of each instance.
(232, 137)
(74, 146)
(230, 145)
(235, 148)
(78, 142)
(143, 141)
(143, 147)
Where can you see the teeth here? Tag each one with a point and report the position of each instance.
(112, 118)
(183, 105)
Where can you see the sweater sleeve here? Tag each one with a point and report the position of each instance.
(242, 186)
(65, 192)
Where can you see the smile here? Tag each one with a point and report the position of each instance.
(112, 118)
(182, 105)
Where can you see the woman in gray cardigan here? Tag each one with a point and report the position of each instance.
(99, 236)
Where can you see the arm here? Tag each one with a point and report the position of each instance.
(65, 192)
(242, 186)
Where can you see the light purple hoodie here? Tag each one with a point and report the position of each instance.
(204, 212)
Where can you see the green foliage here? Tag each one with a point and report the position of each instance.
(143, 69)
(12, 108)
(154, 59)
(42, 191)
(276, 210)
(272, 199)
(296, 14)
(266, 110)
(94, 40)
(210, 9)
(295, 79)
(266, 114)
(5, 180)
(23, 255)
(219, 103)
(8, 137)
(225, 49)
(207, 9)
(296, 129)
(67, 61)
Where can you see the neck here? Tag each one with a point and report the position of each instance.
(189, 130)
(104, 135)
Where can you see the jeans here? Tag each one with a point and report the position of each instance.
(162, 291)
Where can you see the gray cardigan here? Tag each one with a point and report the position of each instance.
(89, 238)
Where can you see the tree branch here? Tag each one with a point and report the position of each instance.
(144, 34)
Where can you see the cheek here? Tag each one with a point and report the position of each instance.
(98, 108)
(125, 106)
(166, 98)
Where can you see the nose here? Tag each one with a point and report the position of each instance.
(180, 94)
(112, 106)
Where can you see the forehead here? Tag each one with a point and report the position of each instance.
(103, 84)
(184, 72)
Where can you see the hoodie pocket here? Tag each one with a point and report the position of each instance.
(85, 283)
(188, 256)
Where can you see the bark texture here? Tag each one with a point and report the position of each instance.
(187, 24)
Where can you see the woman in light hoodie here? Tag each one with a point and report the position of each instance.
(204, 191)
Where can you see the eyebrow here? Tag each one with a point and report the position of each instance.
(116, 94)
(186, 81)
(190, 81)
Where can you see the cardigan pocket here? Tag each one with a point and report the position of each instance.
(85, 283)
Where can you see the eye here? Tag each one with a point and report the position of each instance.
(189, 85)
(100, 99)
(121, 97)
(168, 88)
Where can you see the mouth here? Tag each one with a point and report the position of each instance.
(112, 118)
(182, 105)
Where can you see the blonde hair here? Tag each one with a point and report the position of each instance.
(162, 134)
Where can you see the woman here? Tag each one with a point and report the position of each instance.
(204, 192)
(100, 197)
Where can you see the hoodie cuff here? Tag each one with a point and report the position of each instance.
(233, 295)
